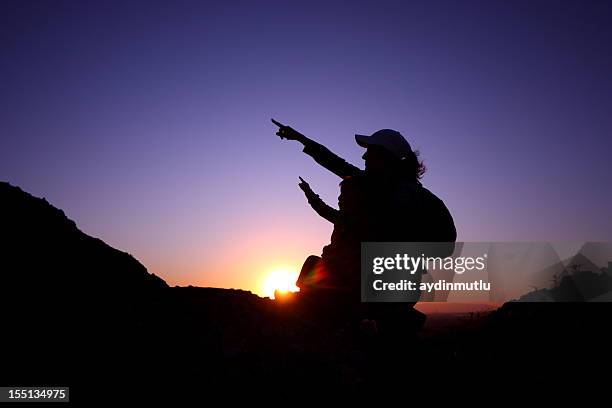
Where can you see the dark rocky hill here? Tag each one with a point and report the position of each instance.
(82, 313)
(72, 304)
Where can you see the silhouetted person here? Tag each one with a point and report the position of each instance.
(349, 225)
(389, 204)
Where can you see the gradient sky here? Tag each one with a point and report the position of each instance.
(148, 122)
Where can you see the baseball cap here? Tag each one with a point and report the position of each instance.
(391, 140)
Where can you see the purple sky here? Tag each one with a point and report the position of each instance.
(148, 123)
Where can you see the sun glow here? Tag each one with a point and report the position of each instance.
(282, 280)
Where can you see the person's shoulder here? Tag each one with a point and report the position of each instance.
(424, 190)
(430, 196)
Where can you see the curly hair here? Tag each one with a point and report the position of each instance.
(413, 166)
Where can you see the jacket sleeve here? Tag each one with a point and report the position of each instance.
(329, 213)
(329, 160)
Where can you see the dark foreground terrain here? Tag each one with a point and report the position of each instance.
(77, 312)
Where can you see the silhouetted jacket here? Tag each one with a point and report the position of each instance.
(400, 210)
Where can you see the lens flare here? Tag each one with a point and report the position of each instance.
(282, 280)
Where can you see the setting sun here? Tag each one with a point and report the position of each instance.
(282, 280)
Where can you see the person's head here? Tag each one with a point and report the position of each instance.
(389, 154)
(351, 195)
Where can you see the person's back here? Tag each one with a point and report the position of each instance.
(412, 213)
(440, 226)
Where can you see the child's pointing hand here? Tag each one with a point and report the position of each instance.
(305, 186)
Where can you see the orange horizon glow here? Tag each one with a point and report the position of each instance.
(279, 279)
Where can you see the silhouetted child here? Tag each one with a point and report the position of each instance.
(345, 239)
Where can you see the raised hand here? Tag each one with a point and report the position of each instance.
(305, 186)
(287, 132)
